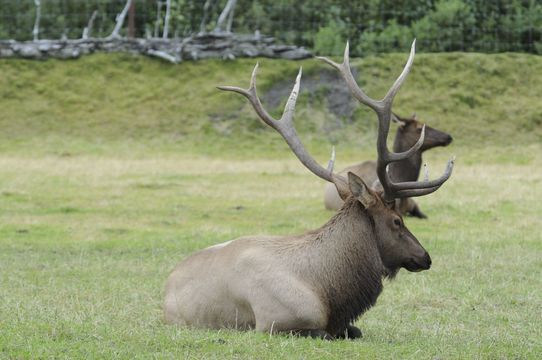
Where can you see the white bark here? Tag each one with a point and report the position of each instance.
(209, 4)
(230, 20)
(163, 55)
(230, 5)
(120, 20)
(88, 29)
(158, 18)
(36, 30)
(166, 20)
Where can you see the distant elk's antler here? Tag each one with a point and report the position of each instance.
(285, 127)
(384, 112)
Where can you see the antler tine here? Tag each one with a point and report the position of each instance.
(393, 156)
(415, 192)
(412, 185)
(285, 127)
(399, 81)
(331, 162)
(289, 108)
(346, 72)
(418, 188)
(381, 107)
(252, 97)
(384, 116)
(425, 172)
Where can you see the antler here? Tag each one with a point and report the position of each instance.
(285, 127)
(383, 110)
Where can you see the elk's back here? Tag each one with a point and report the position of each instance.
(365, 170)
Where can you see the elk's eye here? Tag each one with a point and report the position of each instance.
(397, 222)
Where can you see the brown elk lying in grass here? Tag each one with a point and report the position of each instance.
(314, 284)
(406, 170)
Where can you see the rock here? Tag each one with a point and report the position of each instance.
(44, 46)
(282, 48)
(29, 51)
(6, 53)
(246, 49)
(69, 53)
(228, 56)
(201, 46)
(295, 54)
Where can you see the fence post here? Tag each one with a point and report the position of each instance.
(131, 20)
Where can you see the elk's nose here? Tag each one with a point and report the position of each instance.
(427, 260)
(449, 139)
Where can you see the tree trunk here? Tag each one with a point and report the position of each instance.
(120, 20)
(230, 21)
(131, 21)
(158, 18)
(88, 29)
(207, 7)
(36, 30)
(166, 21)
(230, 5)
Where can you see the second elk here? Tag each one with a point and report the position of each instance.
(407, 169)
(317, 283)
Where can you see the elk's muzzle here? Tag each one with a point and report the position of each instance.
(419, 264)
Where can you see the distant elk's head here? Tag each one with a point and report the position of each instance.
(411, 128)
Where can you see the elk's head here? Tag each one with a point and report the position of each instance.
(397, 246)
(411, 129)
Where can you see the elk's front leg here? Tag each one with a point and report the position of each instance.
(350, 332)
(416, 212)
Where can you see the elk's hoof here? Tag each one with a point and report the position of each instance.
(351, 332)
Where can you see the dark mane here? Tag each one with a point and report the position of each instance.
(354, 283)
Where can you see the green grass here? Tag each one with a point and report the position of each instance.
(113, 170)
(135, 105)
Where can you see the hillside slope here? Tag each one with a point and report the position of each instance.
(139, 103)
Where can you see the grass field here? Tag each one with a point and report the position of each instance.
(101, 195)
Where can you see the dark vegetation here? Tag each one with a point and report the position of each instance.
(371, 25)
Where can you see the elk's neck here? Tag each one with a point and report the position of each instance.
(347, 266)
(408, 169)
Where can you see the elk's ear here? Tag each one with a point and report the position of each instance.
(361, 191)
(396, 119)
(414, 116)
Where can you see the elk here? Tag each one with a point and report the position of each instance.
(317, 283)
(405, 170)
